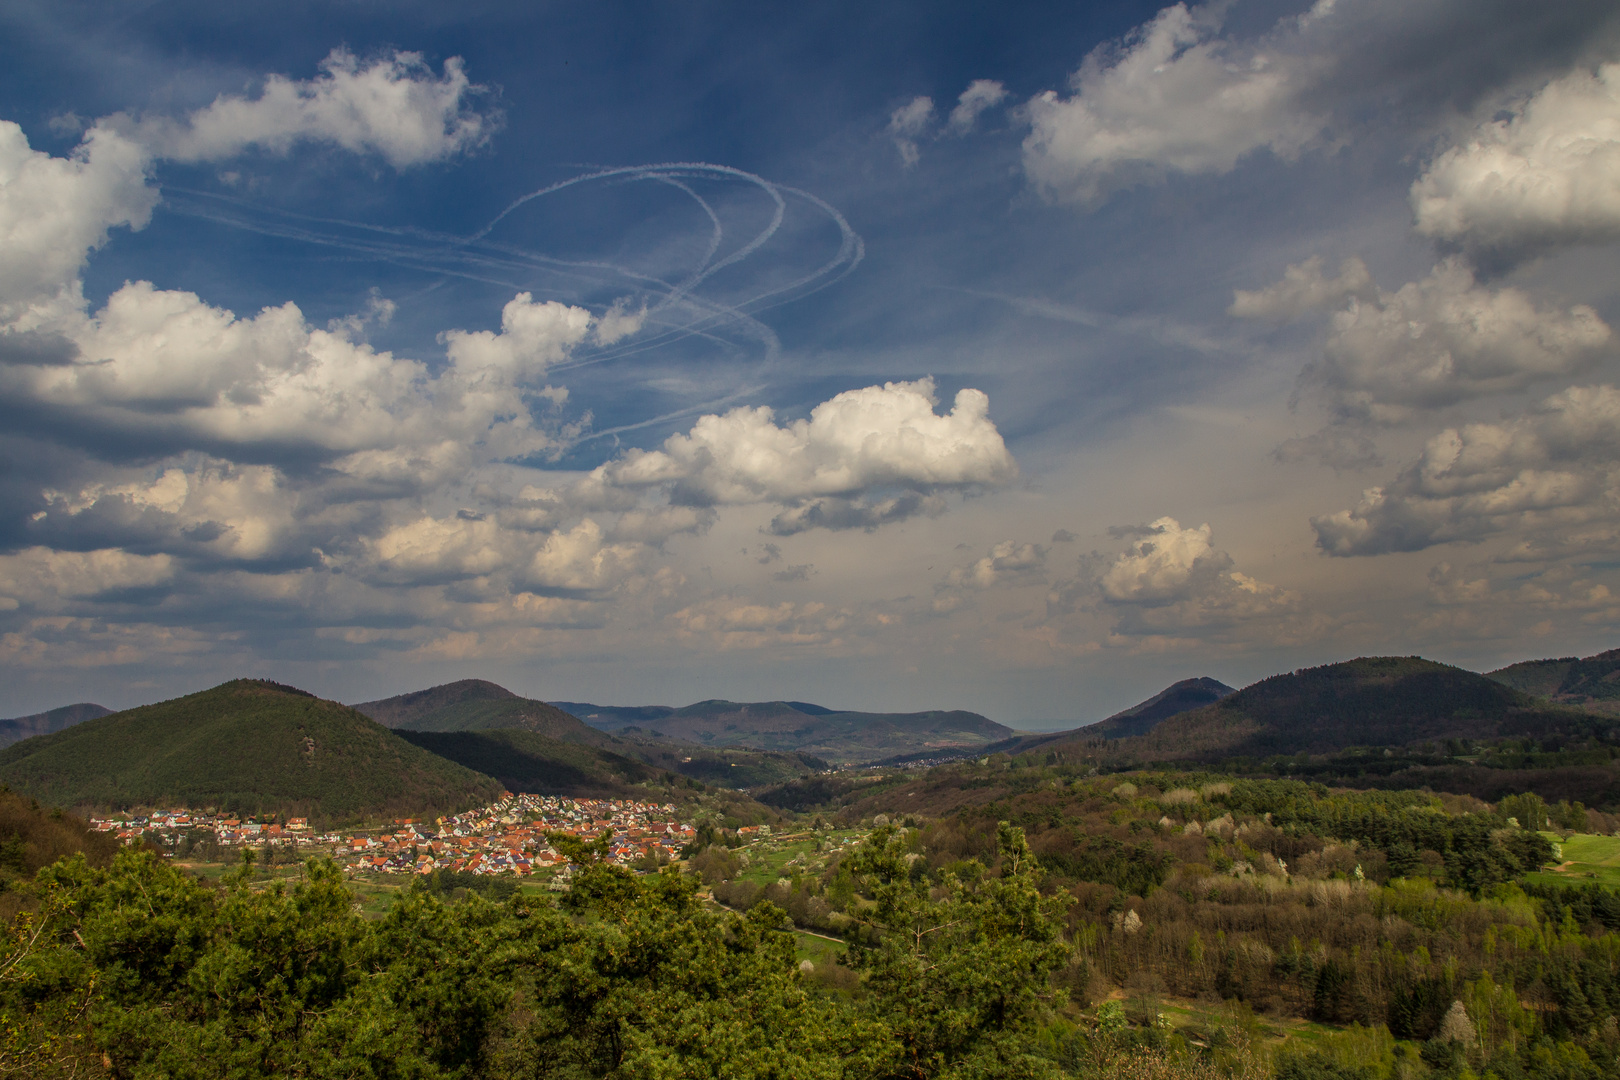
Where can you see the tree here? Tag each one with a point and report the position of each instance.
(960, 963)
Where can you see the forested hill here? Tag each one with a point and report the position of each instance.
(797, 726)
(43, 723)
(1173, 700)
(1368, 702)
(476, 705)
(246, 745)
(1139, 719)
(1592, 682)
(407, 710)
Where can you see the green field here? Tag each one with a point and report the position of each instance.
(782, 856)
(1586, 858)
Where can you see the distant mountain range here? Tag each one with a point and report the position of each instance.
(798, 726)
(1381, 701)
(1375, 721)
(44, 723)
(531, 745)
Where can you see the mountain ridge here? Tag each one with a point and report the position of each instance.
(843, 737)
(60, 718)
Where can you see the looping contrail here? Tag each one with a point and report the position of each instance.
(676, 309)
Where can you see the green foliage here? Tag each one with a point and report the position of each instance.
(248, 746)
(957, 961)
(525, 761)
(140, 970)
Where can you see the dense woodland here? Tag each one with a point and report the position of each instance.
(1018, 922)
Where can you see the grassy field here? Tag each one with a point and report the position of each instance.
(1586, 858)
(782, 856)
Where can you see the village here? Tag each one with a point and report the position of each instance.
(508, 836)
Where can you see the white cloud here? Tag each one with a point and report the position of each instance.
(1175, 99)
(1552, 470)
(743, 624)
(1547, 175)
(831, 467)
(1008, 560)
(1162, 564)
(907, 124)
(393, 106)
(532, 337)
(1304, 288)
(164, 365)
(581, 560)
(864, 513)
(1008, 563)
(1174, 581)
(1432, 343)
(981, 94)
(214, 510)
(54, 211)
(39, 575)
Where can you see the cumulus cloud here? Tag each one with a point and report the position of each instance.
(393, 106)
(1174, 98)
(1432, 343)
(167, 368)
(981, 95)
(745, 624)
(1554, 469)
(39, 575)
(532, 337)
(869, 514)
(832, 469)
(1006, 561)
(1173, 580)
(1547, 175)
(215, 511)
(54, 212)
(1305, 288)
(907, 124)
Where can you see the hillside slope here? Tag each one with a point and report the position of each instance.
(525, 761)
(1592, 682)
(786, 727)
(1173, 700)
(247, 746)
(406, 710)
(44, 723)
(1371, 701)
(1179, 697)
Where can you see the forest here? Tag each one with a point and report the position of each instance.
(1015, 920)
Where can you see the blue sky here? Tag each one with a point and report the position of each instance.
(888, 356)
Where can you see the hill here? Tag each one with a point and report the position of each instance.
(1177, 698)
(799, 727)
(1592, 683)
(247, 746)
(1368, 702)
(566, 755)
(525, 761)
(26, 727)
(407, 710)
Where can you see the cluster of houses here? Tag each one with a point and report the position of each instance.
(167, 828)
(508, 836)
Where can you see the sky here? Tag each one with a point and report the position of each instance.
(1019, 358)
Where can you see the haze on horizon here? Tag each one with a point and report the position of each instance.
(891, 358)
